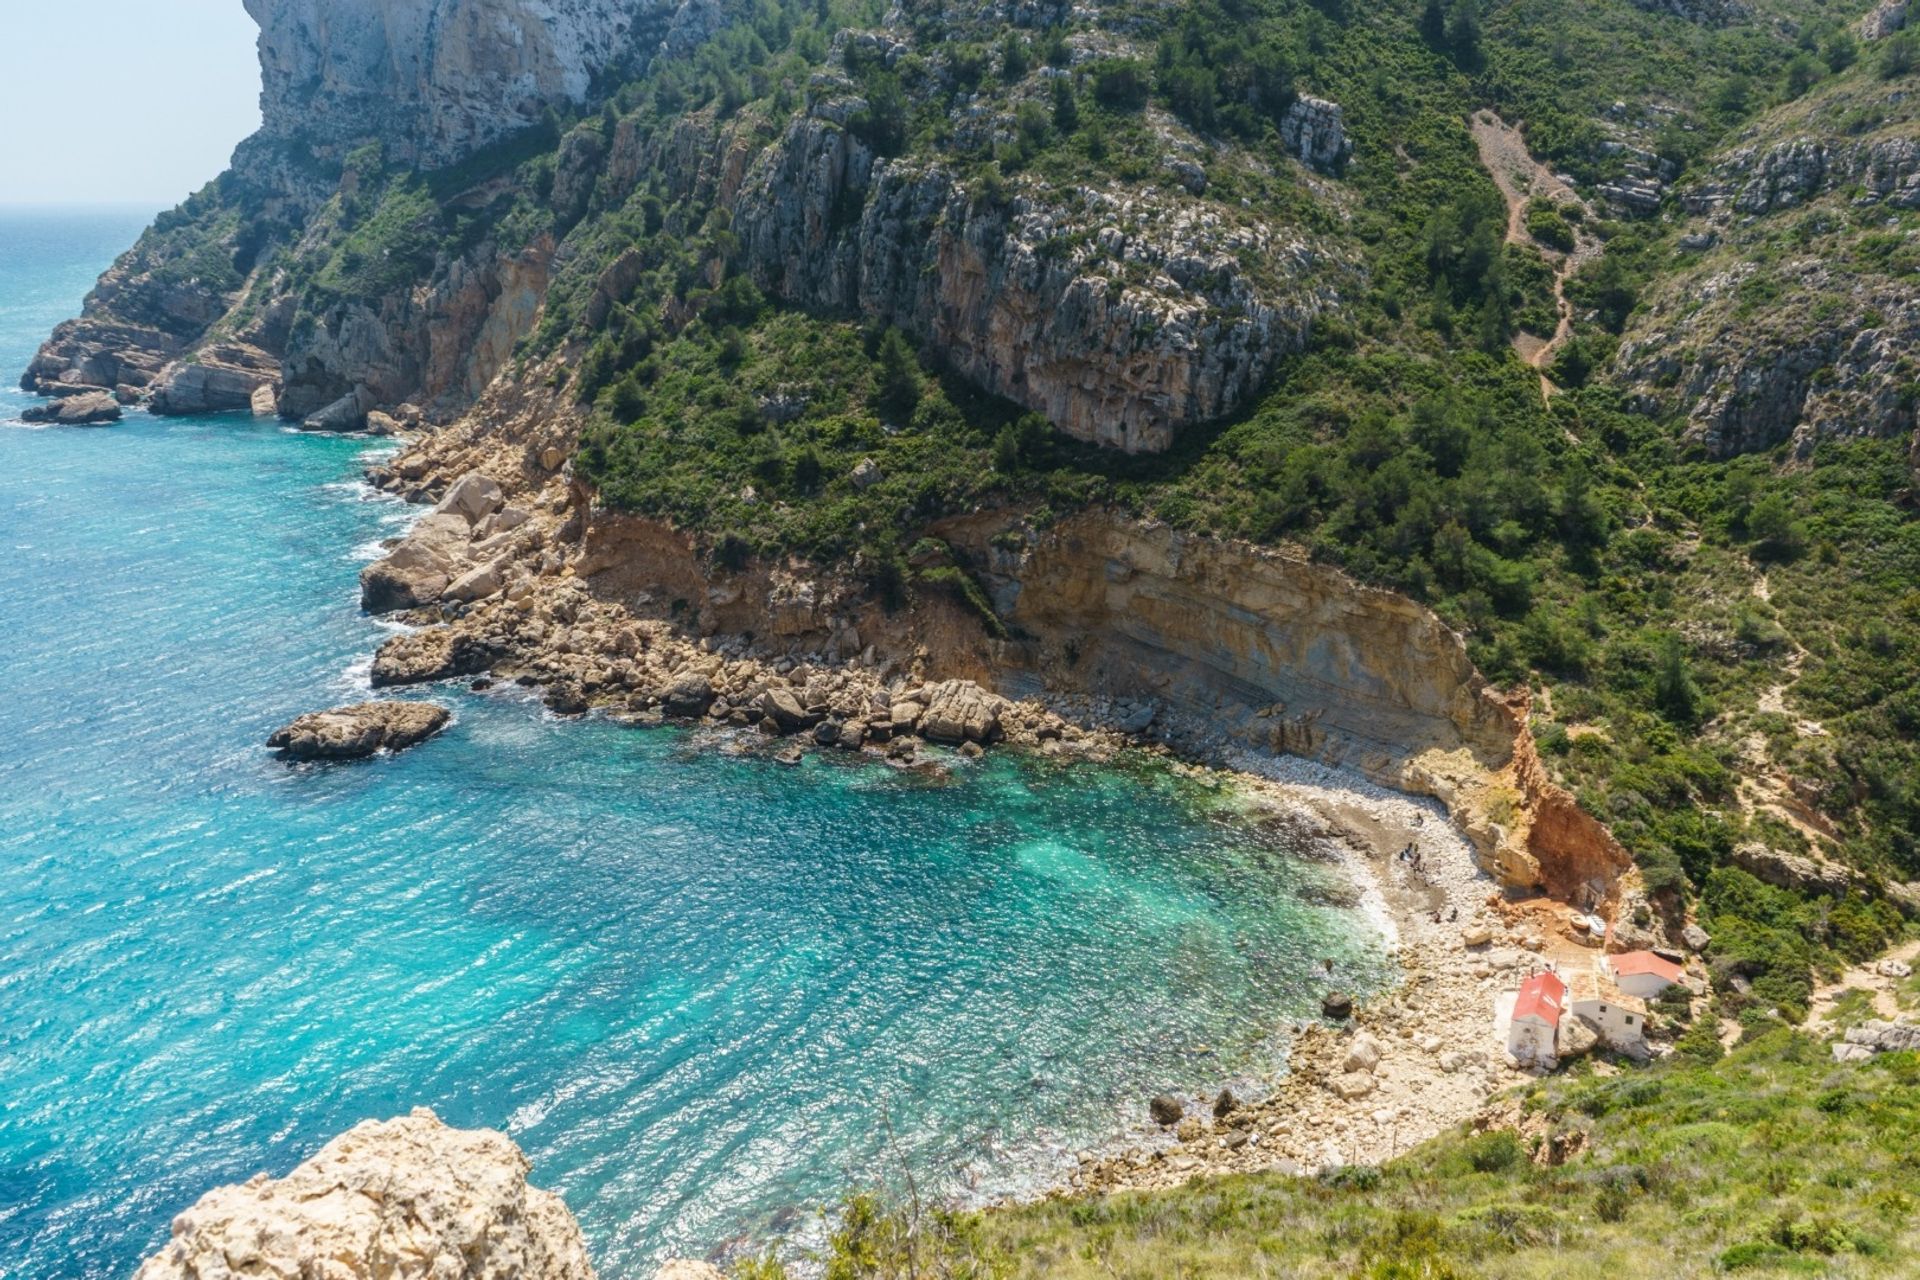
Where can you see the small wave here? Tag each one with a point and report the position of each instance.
(358, 677)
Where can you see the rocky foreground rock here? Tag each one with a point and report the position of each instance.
(352, 733)
(404, 1199)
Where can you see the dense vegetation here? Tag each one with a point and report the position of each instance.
(1772, 1161)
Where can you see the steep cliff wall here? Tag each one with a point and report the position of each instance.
(434, 79)
(1122, 319)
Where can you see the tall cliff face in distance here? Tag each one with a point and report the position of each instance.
(435, 80)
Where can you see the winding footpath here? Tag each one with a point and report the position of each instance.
(1523, 179)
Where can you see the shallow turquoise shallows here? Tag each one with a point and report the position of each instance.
(698, 988)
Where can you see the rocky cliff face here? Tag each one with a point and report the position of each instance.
(433, 79)
(1790, 317)
(1122, 319)
(406, 1199)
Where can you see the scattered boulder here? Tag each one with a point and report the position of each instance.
(473, 497)
(1166, 1110)
(405, 1199)
(353, 733)
(866, 474)
(475, 584)
(90, 409)
(1353, 1085)
(566, 698)
(1363, 1054)
(781, 706)
(1893, 969)
(1577, 1038)
(688, 697)
(1695, 938)
(1875, 1037)
(1337, 1005)
(265, 401)
(1225, 1105)
(1476, 935)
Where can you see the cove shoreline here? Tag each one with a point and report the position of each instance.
(1414, 1060)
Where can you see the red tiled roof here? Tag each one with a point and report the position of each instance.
(1637, 962)
(1542, 996)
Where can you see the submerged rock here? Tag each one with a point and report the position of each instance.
(405, 1199)
(1166, 1110)
(350, 733)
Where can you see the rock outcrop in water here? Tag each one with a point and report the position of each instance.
(86, 409)
(353, 733)
(405, 1199)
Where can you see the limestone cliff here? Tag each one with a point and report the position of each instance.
(405, 1199)
(436, 80)
(1121, 316)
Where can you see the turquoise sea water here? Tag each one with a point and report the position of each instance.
(698, 988)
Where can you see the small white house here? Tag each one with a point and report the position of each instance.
(1619, 1019)
(1533, 1031)
(1642, 973)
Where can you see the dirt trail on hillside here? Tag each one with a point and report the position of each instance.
(1521, 179)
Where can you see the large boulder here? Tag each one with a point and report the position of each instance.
(405, 1199)
(351, 733)
(88, 409)
(473, 497)
(434, 653)
(961, 711)
(688, 697)
(418, 571)
(348, 413)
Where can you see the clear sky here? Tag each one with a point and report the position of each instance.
(122, 101)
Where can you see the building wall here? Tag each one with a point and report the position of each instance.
(1617, 1026)
(1530, 1039)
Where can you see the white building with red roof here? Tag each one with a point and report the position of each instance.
(1642, 973)
(1533, 1030)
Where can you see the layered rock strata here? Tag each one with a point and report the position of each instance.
(405, 1199)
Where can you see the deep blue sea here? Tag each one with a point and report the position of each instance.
(699, 989)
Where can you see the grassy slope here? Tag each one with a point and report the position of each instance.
(1773, 1161)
